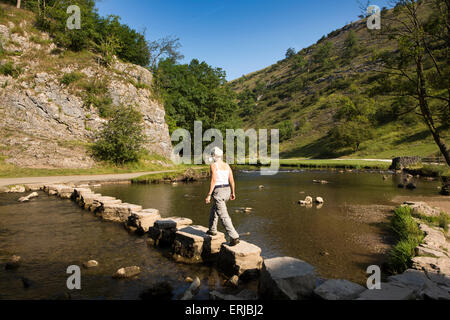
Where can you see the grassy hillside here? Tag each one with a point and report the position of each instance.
(304, 94)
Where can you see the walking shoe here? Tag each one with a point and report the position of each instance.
(234, 242)
(211, 233)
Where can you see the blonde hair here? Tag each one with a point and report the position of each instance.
(216, 154)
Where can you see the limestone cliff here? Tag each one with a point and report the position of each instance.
(48, 123)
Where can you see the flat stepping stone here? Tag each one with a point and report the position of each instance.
(143, 220)
(243, 259)
(286, 278)
(117, 212)
(163, 231)
(193, 245)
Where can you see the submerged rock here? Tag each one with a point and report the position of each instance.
(159, 291)
(14, 263)
(127, 272)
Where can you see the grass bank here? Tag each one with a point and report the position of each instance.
(409, 237)
(149, 163)
(327, 164)
(185, 174)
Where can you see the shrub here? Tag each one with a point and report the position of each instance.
(97, 95)
(69, 78)
(8, 69)
(121, 139)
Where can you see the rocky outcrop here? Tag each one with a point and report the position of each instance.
(47, 124)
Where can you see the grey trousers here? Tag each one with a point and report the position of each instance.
(219, 210)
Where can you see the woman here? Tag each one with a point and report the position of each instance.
(221, 190)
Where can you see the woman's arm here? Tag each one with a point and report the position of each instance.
(232, 184)
(213, 183)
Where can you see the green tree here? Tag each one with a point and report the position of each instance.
(290, 53)
(351, 133)
(122, 138)
(351, 46)
(322, 54)
(420, 66)
(196, 91)
(286, 130)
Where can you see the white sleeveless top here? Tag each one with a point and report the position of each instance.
(222, 176)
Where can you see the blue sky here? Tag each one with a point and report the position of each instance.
(240, 36)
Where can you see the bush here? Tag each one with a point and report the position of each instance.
(121, 140)
(8, 69)
(69, 78)
(97, 95)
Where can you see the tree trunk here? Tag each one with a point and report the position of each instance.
(426, 113)
(18, 4)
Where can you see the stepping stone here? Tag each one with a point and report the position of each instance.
(163, 231)
(339, 290)
(143, 220)
(87, 199)
(34, 187)
(117, 212)
(193, 245)
(243, 260)
(99, 201)
(286, 278)
(77, 192)
(389, 291)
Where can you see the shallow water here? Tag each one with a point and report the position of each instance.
(50, 234)
(281, 227)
